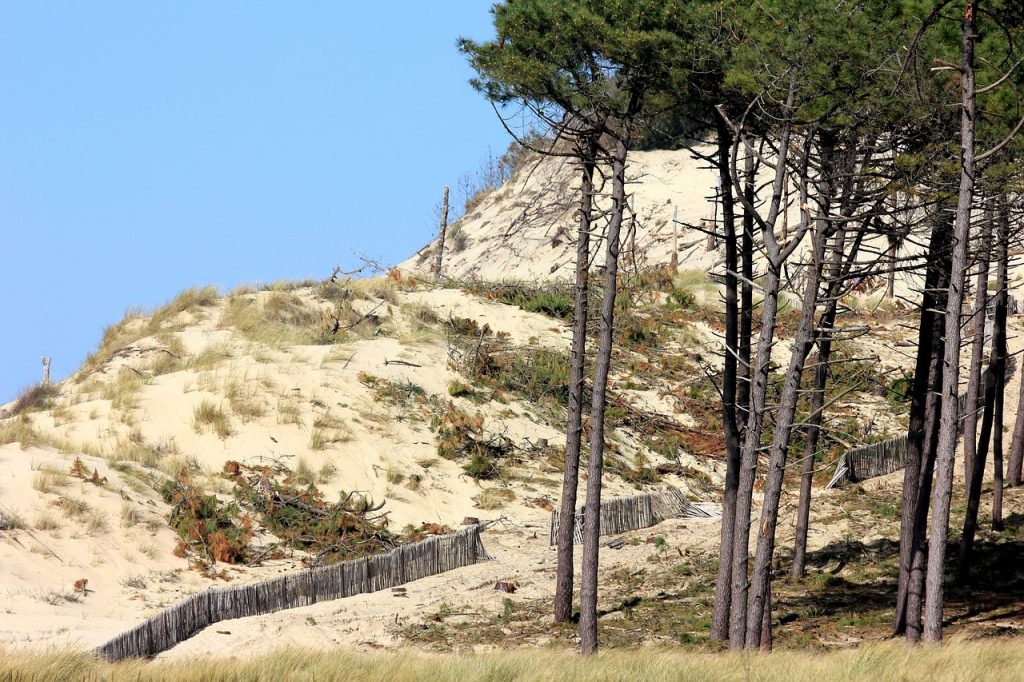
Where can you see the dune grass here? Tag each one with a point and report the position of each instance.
(962, 661)
(138, 324)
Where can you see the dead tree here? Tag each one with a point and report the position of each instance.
(441, 231)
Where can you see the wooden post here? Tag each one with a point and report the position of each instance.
(440, 235)
(46, 370)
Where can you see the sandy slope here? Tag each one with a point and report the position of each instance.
(121, 544)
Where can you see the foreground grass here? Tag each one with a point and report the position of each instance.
(962, 661)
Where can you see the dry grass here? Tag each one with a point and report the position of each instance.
(245, 404)
(10, 519)
(208, 415)
(34, 398)
(123, 393)
(493, 498)
(328, 430)
(279, 319)
(47, 478)
(46, 522)
(138, 324)
(962, 661)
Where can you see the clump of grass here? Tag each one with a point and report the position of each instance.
(10, 520)
(209, 357)
(46, 522)
(208, 415)
(19, 430)
(493, 498)
(96, 523)
(280, 319)
(138, 324)
(303, 474)
(123, 392)
(328, 430)
(288, 411)
(59, 597)
(72, 507)
(46, 479)
(62, 414)
(244, 403)
(327, 472)
(137, 582)
(130, 515)
(35, 398)
(382, 288)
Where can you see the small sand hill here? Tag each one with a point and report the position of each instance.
(343, 383)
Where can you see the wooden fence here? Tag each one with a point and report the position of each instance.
(403, 564)
(621, 514)
(878, 459)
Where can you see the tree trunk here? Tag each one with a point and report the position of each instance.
(720, 614)
(592, 512)
(946, 452)
(999, 347)
(784, 416)
(824, 338)
(890, 278)
(974, 385)
(574, 419)
(441, 231)
(746, 289)
(922, 406)
(1016, 456)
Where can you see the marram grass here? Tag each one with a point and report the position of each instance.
(1001, 659)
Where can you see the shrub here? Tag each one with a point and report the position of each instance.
(35, 398)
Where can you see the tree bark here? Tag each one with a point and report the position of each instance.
(720, 613)
(441, 231)
(974, 385)
(784, 416)
(574, 418)
(746, 288)
(946, 452)
(999, 346)
(922, 408)
(595, 467)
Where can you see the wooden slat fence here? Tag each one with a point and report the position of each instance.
(621, 514)
(403, 564)
(878, 459)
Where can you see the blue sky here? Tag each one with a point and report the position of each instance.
(146, 147)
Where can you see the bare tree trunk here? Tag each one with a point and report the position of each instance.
(784, 416)
(890, 279)
(574, 419)
(592, 511)
(922, 407)
(946, 452)
(441, 231)
(746, 289)
(1016, 456)
(766, 623)
(720, 614)
(974, 385)
(999, 347)
(974, 491)
(817, 405)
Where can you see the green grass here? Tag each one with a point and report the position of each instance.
(208, 415)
